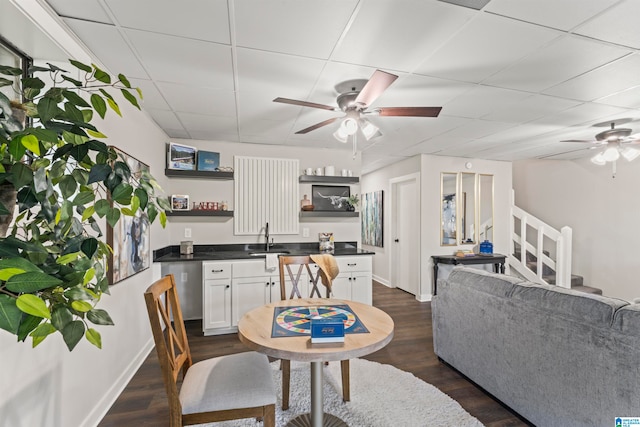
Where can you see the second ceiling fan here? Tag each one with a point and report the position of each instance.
(354, 99)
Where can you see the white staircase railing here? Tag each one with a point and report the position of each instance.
(525, 238)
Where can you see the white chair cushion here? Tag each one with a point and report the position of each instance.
(236, 381)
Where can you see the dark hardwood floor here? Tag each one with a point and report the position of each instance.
(144, 403)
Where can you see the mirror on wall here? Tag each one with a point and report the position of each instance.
(448, 211)
(467, 208)
(485, 196)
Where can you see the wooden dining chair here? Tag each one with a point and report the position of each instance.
(303, 261)
(218, 389)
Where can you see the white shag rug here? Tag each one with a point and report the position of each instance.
(381, 396)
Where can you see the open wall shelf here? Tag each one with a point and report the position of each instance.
(201, 212)
(325, 214)
(176, 173)
(329, 179)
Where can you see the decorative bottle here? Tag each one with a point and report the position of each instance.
(305, 202)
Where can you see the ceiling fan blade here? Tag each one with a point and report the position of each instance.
(305, 104)
(409, 111)
(591, 141)
(378, 83)
(317, 125)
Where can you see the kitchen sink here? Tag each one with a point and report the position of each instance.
(264, 254)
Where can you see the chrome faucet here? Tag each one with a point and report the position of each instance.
(267, 245)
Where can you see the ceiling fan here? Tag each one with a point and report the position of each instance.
(354, 99)
(617, 141)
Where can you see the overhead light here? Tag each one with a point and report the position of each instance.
(369, 130)
(630, 153)
(611, 154)
(340, 135)
(599, 160)
(349, 125)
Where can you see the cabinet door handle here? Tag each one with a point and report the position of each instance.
(267, 284)
(227, 287)
(217, 271)
(273, 283)
(352, 265)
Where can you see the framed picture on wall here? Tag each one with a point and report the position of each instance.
(330, 197)
(181, 157)
(130, 238)
(180, 202)
(371, 219)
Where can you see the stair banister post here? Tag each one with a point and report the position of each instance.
(523, 239)
(563, 261)
(540, 242)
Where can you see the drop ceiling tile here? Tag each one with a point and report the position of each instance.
(200, 20)
(291, 26)
(214, 127)
(619, 25)
(614, 77)
(478, 129)
(561, 60)
(629, 98)
(88, 10)
(563, 15)
(396, 36)
(116, 55)
(482, 100)
(531, 108)
(201, 100)
(581, 115)
(483, 48)
(186, 61)
(151, 96)
(165, 119)
(176, 133)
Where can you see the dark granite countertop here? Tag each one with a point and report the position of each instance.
(243, 251)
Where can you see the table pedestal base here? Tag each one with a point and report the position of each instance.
(328, 420)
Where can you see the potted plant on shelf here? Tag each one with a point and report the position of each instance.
(352, 202)
(53, 262)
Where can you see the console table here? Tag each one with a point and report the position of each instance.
(497, 260)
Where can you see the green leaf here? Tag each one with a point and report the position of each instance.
(72, 81)
(139, 92)
(72, 333)
(5, 82)
(75, 99)
(61, 317)
(31, 281)
(101, 75)
(47, 109)
(113, 216)
(43, 330)
(81, 306)
(99, 317)
(33, 305)
(27, 324)
(31, 143)
(40, 183)
(44, 134)
(89, 247)
(124, 80)
(67, 258)
(96, 134)
(8, 273)
(143, 197)
(122, 193)
(73, 114)
(32, 83)
(128, 212)
(10, 71)
(152, 212)
(88, 213)
(88, 276)
(83, 198)
(98, 173)
(94, 337)
(10, 314)
(16, 149)
(80, 65)
(114, 106)
(129, 97)
(98, 104)
(102, 207)
(68, 186)
(20, 263)
(163, 219)
(22, 175)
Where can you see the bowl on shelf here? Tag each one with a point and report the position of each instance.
(307, 208)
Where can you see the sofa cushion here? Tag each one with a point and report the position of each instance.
(484, 281)
(627, 320)
(596, 310)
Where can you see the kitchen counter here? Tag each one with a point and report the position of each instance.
(243, 251)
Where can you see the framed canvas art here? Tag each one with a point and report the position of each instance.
(371, 219)
(130, 238)
(181, 157)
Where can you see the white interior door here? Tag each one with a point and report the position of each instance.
(405, 241)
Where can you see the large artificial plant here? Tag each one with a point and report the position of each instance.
(63, 178)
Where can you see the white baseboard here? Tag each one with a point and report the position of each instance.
(102, 407)
(383, 281)
(424, 297)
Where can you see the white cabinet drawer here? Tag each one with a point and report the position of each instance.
(252, 269)
(216, 270)
(354, 263)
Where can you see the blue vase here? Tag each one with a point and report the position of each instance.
(486, 248)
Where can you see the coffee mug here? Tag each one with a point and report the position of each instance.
(308, 171)
(329, 170)
(319, 171)
(344, 172)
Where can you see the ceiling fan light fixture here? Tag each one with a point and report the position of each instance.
(598, 159)
(349, 126)
(369, 130)
(340, 135)
(611, 154)
(630, 153)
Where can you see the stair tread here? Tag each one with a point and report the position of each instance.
(588, 289)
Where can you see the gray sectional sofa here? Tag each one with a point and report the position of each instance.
(557, 357)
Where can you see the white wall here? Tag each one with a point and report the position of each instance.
(430, 168)
(48, 385)
(604, 213)
(219, 230)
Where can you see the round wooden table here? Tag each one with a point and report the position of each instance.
(254, 330)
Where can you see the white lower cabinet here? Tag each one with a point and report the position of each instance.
(233, 288)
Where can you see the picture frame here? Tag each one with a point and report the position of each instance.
(330, 198)
(180, 202)
(181, 157)
(130, 239)
(208, 161)
(372, 224)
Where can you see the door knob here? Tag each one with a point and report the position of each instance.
(396, 240)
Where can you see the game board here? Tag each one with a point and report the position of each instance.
(296, 321)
